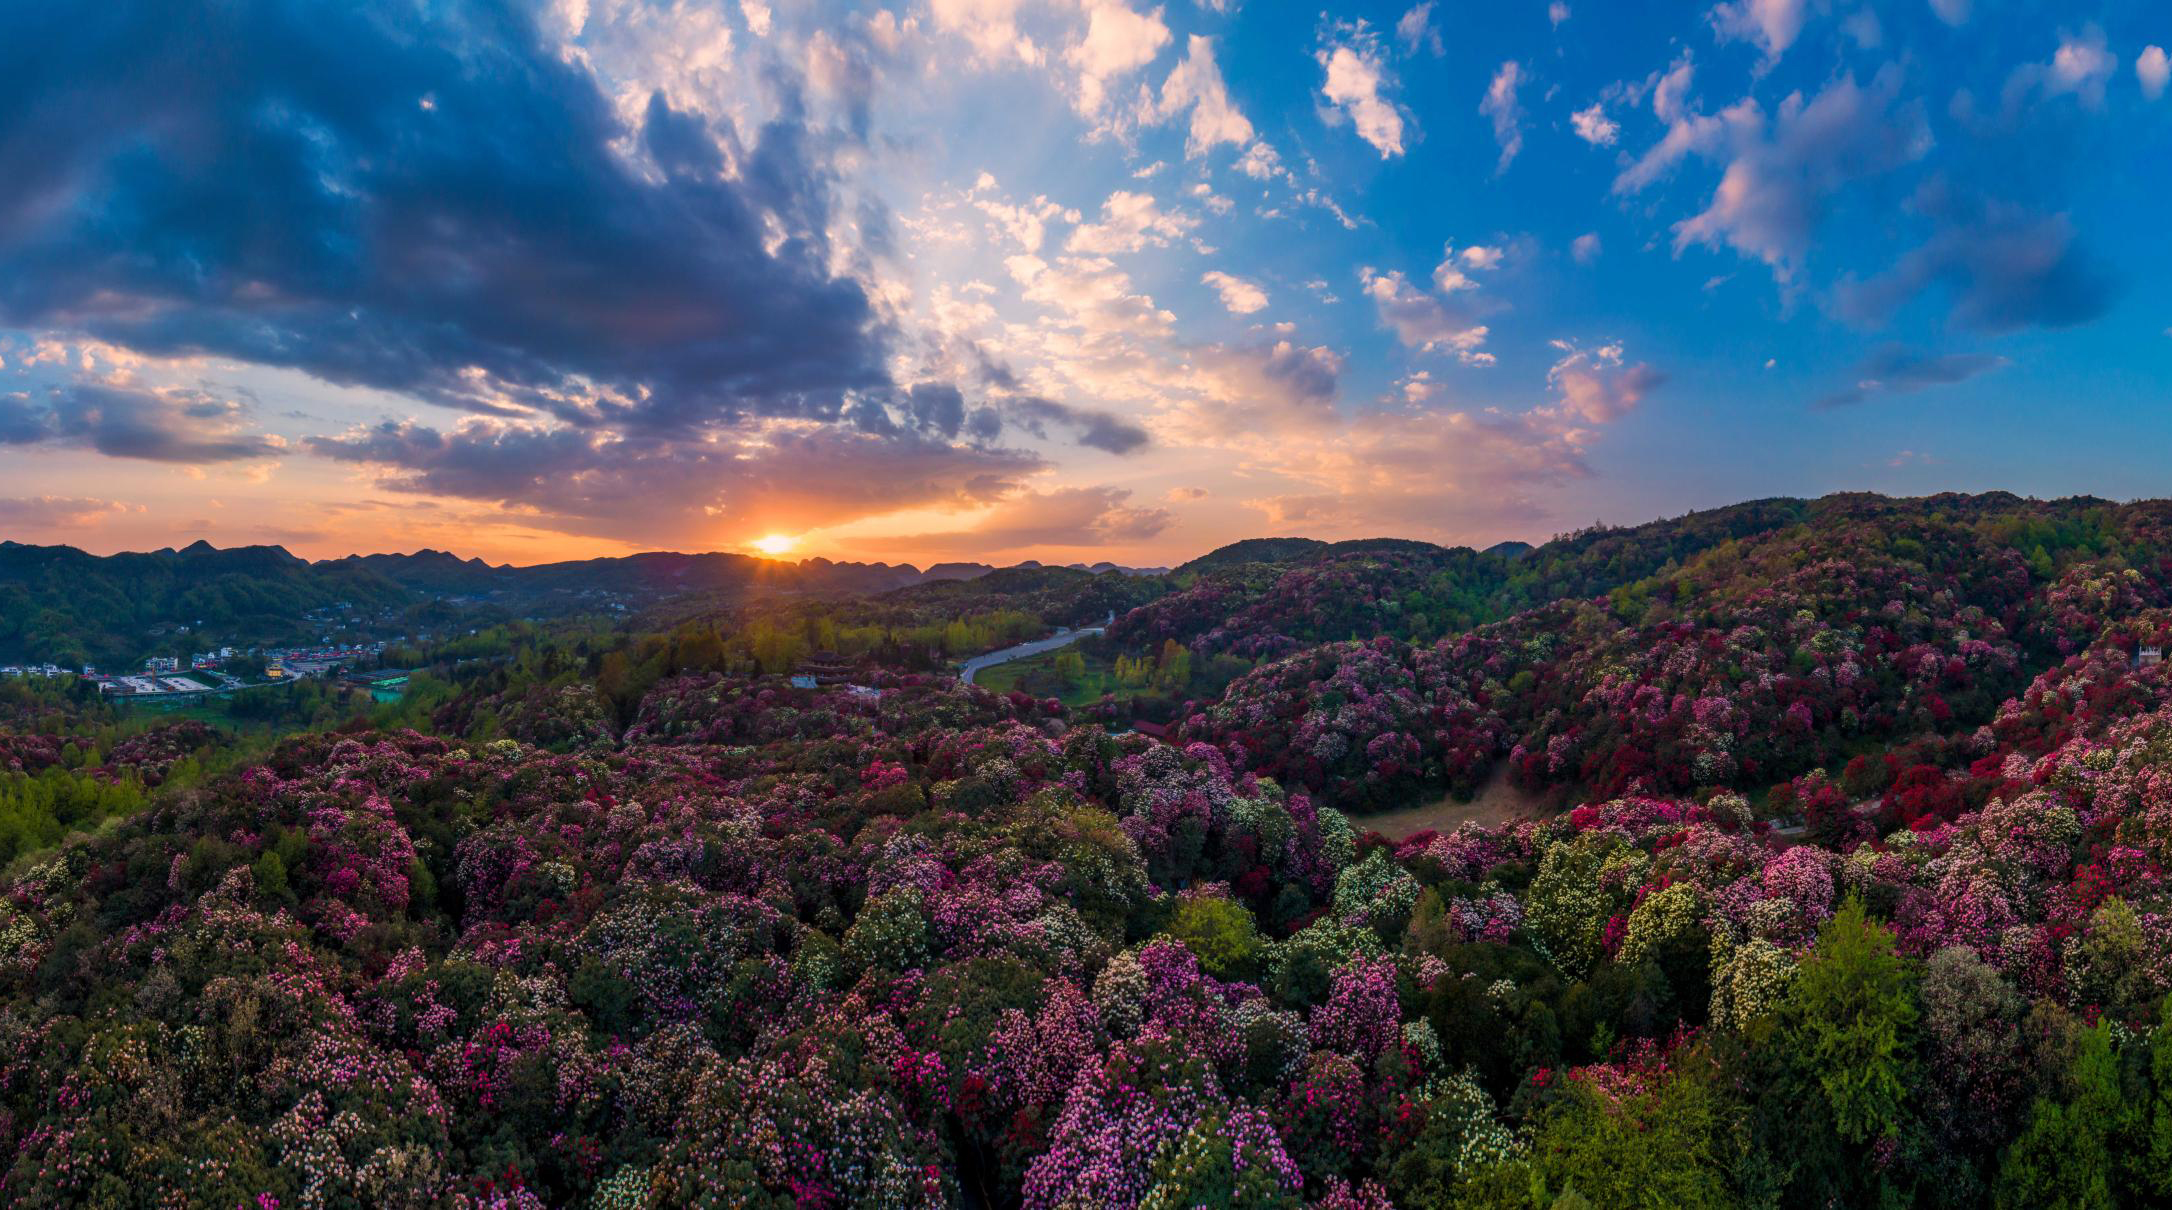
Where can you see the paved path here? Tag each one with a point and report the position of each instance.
(1021, 651)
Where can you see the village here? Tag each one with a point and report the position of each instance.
(227, 670)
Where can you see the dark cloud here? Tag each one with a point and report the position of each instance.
(1097, 430)
(423, 199)
(124, 421)
(585, 482)
(22, 423)
(1895, 369)
(2004, 267)
(937, 407)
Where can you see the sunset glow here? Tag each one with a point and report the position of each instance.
(1124, 281)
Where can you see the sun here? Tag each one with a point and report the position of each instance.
(775, 544)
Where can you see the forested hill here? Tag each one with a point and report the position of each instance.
(1848, 887)
(62, 605)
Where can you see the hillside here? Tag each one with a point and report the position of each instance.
(1855, 895)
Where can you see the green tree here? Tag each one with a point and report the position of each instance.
(1221, 932)
(1849, 1020)
(1656, 1142)
(2067, 1158)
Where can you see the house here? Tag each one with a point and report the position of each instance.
(2148, 656)
(826, 667)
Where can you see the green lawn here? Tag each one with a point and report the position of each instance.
(1037, 675)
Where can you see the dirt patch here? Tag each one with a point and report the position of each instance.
(1498, 802)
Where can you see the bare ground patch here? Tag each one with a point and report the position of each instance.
(1497, 803)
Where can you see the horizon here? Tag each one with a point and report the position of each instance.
(967, 559)
(922, 281)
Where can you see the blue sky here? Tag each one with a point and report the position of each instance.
(1077, 280)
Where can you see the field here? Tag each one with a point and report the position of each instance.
(1037, 675)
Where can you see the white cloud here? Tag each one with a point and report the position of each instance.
(757, 15)
(1772, 24)
(2153, 69)
(1354, 82)
(1416, 30)
(2082, 66)
(1687, 130)
(1197, 84)
(1586, 248)
(1952, 12)
(989, 26)
(1450, 275)
(1457, 473)
(1424, 322)
(1025, 222)
(1500, 105)
(1240, 296)
(1594, 127)
(1779, 180)
(1117, 41)
(1557, 12)
(1129, 222)
(1595, 387)
(1260, 162)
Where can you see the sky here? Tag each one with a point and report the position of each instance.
(1081, 280)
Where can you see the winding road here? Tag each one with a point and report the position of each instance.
(972, 667)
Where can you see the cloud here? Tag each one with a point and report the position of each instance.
(1556, 13)
(1454, 271)
(1594, 127)
(1459, 474)
(1240, 296)
(351, 196)
(1772, 25)
(1500, 105)
(1184, 495)
(1196, 84)
(1687, 131)
(990, 26)
(1781, 176)
(1425, 322)
(21, 421)
(1586, 248)
(2081, 66)
(937, 407)
(1952, 12)
(1594, 387)
(1279, 389)
(1117, 41)
(1895, 369)
(53, 512)
(2152, 70)
(1026, 222)
(787, 473)
(1103, 431)
(1355, 80)
(1415, 29)
(2002, 266)
(124, 420)
(1129, 222)
(1062, 517)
